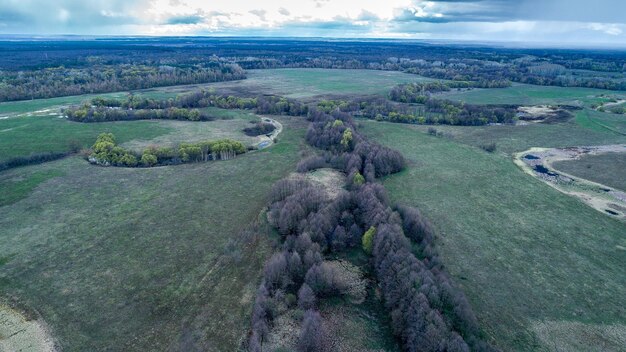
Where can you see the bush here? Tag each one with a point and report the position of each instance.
(489, 148)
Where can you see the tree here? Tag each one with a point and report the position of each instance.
(312, 334)
(368, 239)
(148, 159)
(306, 297)
(346, 139)
(358, 179)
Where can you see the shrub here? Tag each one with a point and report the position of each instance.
(489, 148)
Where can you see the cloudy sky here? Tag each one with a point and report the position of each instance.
(574, 22)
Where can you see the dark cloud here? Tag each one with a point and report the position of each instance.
(190, 19)
(283, 11)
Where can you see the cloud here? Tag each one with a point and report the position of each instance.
(524, 20)
(190, 19)
(611, 29)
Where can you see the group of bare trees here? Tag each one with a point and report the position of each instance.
(428, 312)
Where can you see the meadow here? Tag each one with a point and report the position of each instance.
(586, 128)
(538, 271)
(308, 83)
(24, 135)
(525, 94)
(141, 259)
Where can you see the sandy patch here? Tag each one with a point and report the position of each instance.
(538, 162)
(18, 333)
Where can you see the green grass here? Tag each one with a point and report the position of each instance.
(581, 131)
(139, 259)
(524, 253)
(18, 187)
(526, 94)
(304, 83)
(608, 169)
(21, 136)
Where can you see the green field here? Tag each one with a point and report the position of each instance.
(525, 94)
(586, 129)
(607, 169)
(141, 259)
(24, 135)
(21, 136)
(307, 83)
(541, 269)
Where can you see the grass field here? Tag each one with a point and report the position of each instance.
(21, 136)
(525, 94)
(307, 83)
(541, 269)
(587, 128)
(141, 259)
(608, 169)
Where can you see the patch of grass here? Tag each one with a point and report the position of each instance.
(14, 188)
(510, 139)
(530, 95)
(302, 83)
(196, 131)
(608, 169)
(522, 251)
(142, 259)
(21, 136)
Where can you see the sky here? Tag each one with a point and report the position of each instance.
(567, 22)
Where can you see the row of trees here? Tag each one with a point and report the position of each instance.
(89, 113)
(61, 81)
(428, 313)
(106, 152)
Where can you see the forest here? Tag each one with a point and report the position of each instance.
(427, 312)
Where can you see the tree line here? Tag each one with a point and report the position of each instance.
(427, 311)
(106, 152)
(61, 81)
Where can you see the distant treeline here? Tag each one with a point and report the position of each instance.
(106, 152)
(57, 68)
(428, 313)
(61, 81)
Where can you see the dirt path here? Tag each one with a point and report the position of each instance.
(267, 140)
(538, 162)
(17, 333)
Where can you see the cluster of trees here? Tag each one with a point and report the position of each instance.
(106, 152)
(419, 92)
(264, 104)
(428, 313)
(90, 113)
(259, 128)
(61, 81)
(432, 111)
